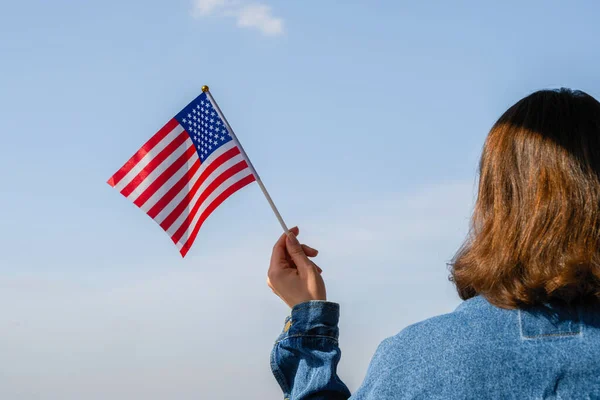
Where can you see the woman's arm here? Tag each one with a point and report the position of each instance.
(305, 356)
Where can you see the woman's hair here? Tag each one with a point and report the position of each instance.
(535, 230)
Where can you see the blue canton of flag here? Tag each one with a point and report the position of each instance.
(207, 130)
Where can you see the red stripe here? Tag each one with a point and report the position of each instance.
(153, 141)
(185, 202)
(165, 176)
(216, 203)
(154, 163)
(209, 189)
(170, 195)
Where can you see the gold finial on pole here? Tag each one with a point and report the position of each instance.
(204, 89)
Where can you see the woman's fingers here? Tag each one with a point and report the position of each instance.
(281, 255)
(279, 250)
(296, 252)
(309, 251)
(292, 275)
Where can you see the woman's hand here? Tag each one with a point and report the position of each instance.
(292, 276)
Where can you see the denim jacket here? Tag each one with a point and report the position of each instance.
(479, 351)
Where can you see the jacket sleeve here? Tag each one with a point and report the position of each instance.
(305, 356)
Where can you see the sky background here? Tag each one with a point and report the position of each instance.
(365, 120)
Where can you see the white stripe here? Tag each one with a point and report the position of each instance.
(148, 157)
(152, 176)
(152, 200)
(160, 217)
(224, 186)
(209, 180)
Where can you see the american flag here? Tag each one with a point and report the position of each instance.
(185, 171)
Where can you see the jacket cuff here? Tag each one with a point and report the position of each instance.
(313, 318)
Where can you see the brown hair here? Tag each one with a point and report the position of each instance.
(535, 230)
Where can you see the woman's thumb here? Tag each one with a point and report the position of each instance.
(296, 252)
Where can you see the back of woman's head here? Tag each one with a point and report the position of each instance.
(535, 231)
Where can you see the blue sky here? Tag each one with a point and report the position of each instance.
(365, 120)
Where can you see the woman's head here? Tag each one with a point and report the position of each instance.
(535, 231)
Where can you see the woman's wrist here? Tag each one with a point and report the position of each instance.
(314, 318)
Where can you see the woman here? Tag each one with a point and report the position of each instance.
(529, 273)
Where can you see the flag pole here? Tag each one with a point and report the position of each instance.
(206, 90)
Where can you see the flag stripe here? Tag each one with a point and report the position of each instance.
(141, 153)
(175, 195)
(221, 162)
(167, 174)
(182, 239)
(135, 169)
(172, 192)
(240, 166)
(185, 172)
(209, 210)
(191, 197)
(175, 148)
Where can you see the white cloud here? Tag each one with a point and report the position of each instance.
(254, 16)
(206, 7)
(259, 16)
